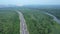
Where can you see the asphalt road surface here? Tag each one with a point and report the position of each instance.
(23, 26)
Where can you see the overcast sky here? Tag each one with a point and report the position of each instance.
(30, 2)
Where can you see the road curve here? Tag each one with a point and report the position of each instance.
(23, 26)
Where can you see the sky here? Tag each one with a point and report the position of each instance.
(29, 2)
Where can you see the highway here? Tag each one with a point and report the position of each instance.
(23, 26)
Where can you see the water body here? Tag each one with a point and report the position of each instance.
(54, 18)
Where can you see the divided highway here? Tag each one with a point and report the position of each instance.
(23, 26)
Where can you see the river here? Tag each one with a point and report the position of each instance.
(54, 18)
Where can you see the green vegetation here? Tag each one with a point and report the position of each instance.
(55, 12)
(9, 22)
(37, 22)
(40, 23)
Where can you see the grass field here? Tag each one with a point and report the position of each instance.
(9, 22)
(40, 23)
